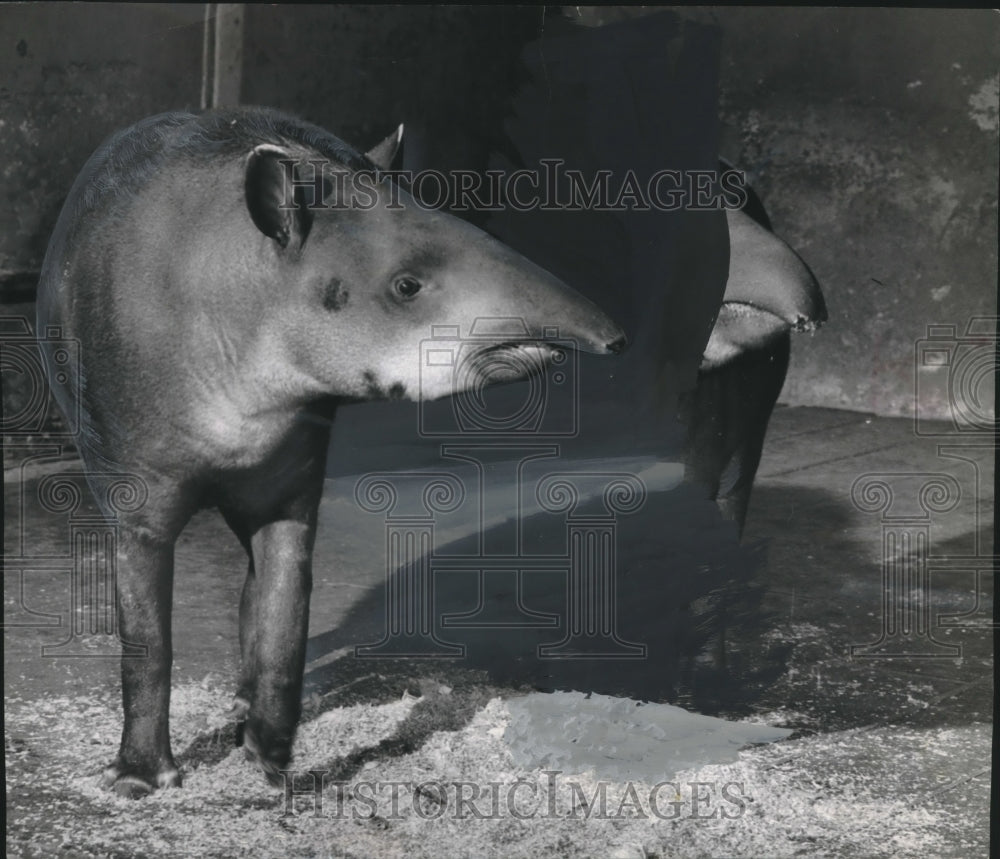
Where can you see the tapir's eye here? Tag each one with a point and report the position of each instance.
(407, 286)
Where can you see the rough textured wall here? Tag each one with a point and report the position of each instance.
(871, 135)
(70, 75)
(361, 70)
(73, 73)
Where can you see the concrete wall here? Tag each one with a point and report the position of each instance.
(871, 135)
(361, 70)
(70, 75)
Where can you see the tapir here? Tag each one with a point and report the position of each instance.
(770, 292)
(223, 312)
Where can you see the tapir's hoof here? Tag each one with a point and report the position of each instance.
(238, 711)
(132, 785)
(271, 760)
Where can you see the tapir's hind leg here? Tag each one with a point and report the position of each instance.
(244, 691)
(248, 627)
(274, 618)
(145, 588)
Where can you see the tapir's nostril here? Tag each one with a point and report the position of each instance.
(616, 347)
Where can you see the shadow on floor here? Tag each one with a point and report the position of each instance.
(683, 589)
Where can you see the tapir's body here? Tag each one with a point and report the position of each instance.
(219, 326)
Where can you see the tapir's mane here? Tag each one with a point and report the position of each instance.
(239, 131)
(128, 158)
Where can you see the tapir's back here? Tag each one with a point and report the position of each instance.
(76, 287)
(113, 181)
(125, 271)
(113, 174)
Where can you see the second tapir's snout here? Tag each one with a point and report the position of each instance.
(770, 291)
(766, 273)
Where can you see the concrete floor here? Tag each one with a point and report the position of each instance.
(825, 569)
(764, 632)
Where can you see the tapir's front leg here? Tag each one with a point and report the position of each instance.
(145, 589)
(274, 628)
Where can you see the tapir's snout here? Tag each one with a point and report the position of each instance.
(598, 336)
(618, 345)
(549, 309)
(766, 273)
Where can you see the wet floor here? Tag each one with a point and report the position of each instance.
(807, 623)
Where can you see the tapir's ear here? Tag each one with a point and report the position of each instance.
(384, 153)
(275, 196)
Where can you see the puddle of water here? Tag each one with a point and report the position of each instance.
(619, 738)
